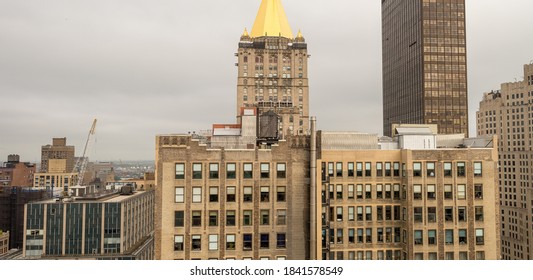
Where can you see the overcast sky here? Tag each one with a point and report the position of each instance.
(167, 66)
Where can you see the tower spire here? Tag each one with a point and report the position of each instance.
(271, 21)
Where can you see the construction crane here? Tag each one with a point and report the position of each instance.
(81, 164)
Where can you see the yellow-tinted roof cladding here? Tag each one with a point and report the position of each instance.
(271, 21)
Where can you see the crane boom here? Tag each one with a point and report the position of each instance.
(82, 162)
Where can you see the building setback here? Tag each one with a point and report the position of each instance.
(508, 113)
(424, 64)
(103, 226)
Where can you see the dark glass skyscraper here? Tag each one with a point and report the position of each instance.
(424, 64)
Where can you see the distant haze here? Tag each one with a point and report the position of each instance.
(159, 67)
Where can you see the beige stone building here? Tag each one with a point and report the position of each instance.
(407, 199)
(4, 242)
(508, 113)
(272, 70)
(58, 157)
(225, 203)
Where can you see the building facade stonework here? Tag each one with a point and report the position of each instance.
(508, 113)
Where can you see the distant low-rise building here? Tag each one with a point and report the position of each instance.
(14, 173)
(100, 226)
(4, 243)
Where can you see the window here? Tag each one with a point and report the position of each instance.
(359, 235)
(417, 191)
(368, 191)
(196, 242)
(397, 213)
(213, 171)
(418, 214)
(281, 241)
(449, 236)
(213, 218)
(230, 242)
(331, 191)
(388, 213)
(368, 235)
(449, 256)
(359, 191)
(368, 215)
(463, 255)
(430, 169)
(197, 194)
(247, 218)
(351, 213)
(281, 194)
(419, 237)
(368, 169)
(379, 213)
(281, 172)
(338, 169)
(197, 171)
(213, 242)
(339, 214)
(461, 192)
(178, 219)
(388, 171)
(213, 194)
(379, 169)
(447, 169)
(448, 214)
(265, 194)
(265, 217)
(340, 236)
(417, 169)
(478, 191)
(380, 235)
(479, 213)
(351, 235)
(478, 169)
(247, 194)
(264, 241)
(230, 218)
(480, 236)
(388, 235)
(350, 169)
(359, 169)
(431, 192)
(359, 213)
(178, 242)
(248, 171)
(396, 191)
(448, 192)
(461, 170)
(368, 255)
(265, 170)
(432, 214)
(196, 218)
(339, 191)
(480, 255)
(247, 242)
(180, 194)
(396, 167)
(230, 194)
(388, 192)
(432, 237)
(462, 236)
(180, 172)
(231, 171)
(351, 191)
(282, 217)
(461, 214)
(331, 171)
(379, 191)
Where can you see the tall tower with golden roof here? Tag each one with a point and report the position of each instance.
(272, 70)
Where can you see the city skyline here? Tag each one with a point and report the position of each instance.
(136, 68)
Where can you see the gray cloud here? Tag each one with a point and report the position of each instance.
(156, 67)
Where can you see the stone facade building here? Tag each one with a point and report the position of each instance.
(4, 243)
(58, 157)
(508, 113)
(14, 173)
(408, 199)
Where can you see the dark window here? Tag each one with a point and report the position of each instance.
(196, 242)
(213, 218)
(247, 242)
(281, 171)
(213, 194)
(264, 241)
(461, 214)
(178, 242)
(350, 169)
(178, 219)
(478, 191)
(231, 171)
(417, 169)
(230, 194)
(265, 194)
(418, 214)
(281, 194)
(230, 218)
(448, 192)
(359, 170)
(196, 218)
(432, 214)
(447, 169)
(388, 169)
(247, 218)
(248, 171)
(479, 213)
(448, 214)
(339, 169)
(461, 169)
(247, 194)
(265, 170)
(419, 240)
(430, 169)
(265, 217)
(368, 169)
(463, 236)
(379, 169)
(432, 237)
(396, 166)
(180, 171)
(213, 171)
(197, 171)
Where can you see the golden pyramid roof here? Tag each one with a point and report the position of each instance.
(271, 21)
